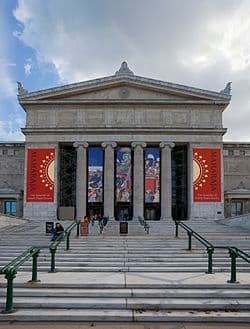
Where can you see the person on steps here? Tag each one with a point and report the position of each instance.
(58, 232)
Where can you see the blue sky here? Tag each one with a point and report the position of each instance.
(17, 61)
(204, 44)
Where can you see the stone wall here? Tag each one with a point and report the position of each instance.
(12, 174)
(236, 165)
(237, 177)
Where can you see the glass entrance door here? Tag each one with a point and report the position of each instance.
(123, 213)
(94, 209)
(152, 212)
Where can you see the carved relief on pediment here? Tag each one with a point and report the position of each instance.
(126, 92)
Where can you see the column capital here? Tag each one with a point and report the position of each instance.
(170, 145)
(141, 144)
(106, 144)
(81, 144)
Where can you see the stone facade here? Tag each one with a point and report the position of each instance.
(236, 158)
(11, 177)
(125, 109)
(237, 178)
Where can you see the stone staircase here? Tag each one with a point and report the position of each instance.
(137, 277)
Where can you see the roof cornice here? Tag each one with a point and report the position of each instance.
(122, 130)
(134, 79)
(124, 102)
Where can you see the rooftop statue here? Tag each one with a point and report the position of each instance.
(227, 89)
(20, 89)
(124, 70)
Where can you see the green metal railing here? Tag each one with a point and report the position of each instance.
(53, 246)
(234, 252)
(10, 270)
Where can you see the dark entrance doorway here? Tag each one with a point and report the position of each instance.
(94, 209)
(152, 212)
(123, 212)
(179, 182)
(67, 177)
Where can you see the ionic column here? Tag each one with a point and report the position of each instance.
(81, 179)
(109, 179)
(166, 181)
(138, 183)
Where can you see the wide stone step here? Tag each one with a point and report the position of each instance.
(122, 315)
(173, 269)
(131, 303)
(128, 263)
(236, 293)
(131, 260)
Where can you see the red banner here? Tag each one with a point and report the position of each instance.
(40, 175)
(207, 175)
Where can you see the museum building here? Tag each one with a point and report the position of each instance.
(124, 146)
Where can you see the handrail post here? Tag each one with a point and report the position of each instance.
(210, 251)
(189, 240)
(67, 240)
(34, 265)
(233, 254)
(176, 229)
(10, 276)
(53, 260)
(78, 228)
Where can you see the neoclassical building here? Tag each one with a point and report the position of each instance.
(124, 146)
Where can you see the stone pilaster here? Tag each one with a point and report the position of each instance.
(81, 179)
(166, 181)
(138, 183)
(109, 178)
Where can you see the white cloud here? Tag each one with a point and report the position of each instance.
(7, 84)
(200, 43)
(27, 69)
(9, 130)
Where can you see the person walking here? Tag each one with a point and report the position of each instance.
(101, 226)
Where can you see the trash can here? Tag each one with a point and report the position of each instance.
(49, 227)
(84, 228)
(123, 227)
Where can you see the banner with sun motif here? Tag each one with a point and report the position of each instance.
(207, 175)
(40, 175)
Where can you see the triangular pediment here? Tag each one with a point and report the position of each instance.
(124, 88)
(124, 92)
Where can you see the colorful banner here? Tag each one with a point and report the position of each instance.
(123, 175)
(207, 175)
(40, 175)
(152, 175)
(95, 174)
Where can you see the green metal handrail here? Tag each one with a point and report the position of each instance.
(53, 246)
(234, 252)
(10, 270)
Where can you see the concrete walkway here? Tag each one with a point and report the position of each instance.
(133, 279)
(107, 325)
(10, 221)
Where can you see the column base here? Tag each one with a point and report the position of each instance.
(137, 217)
(166, 218)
